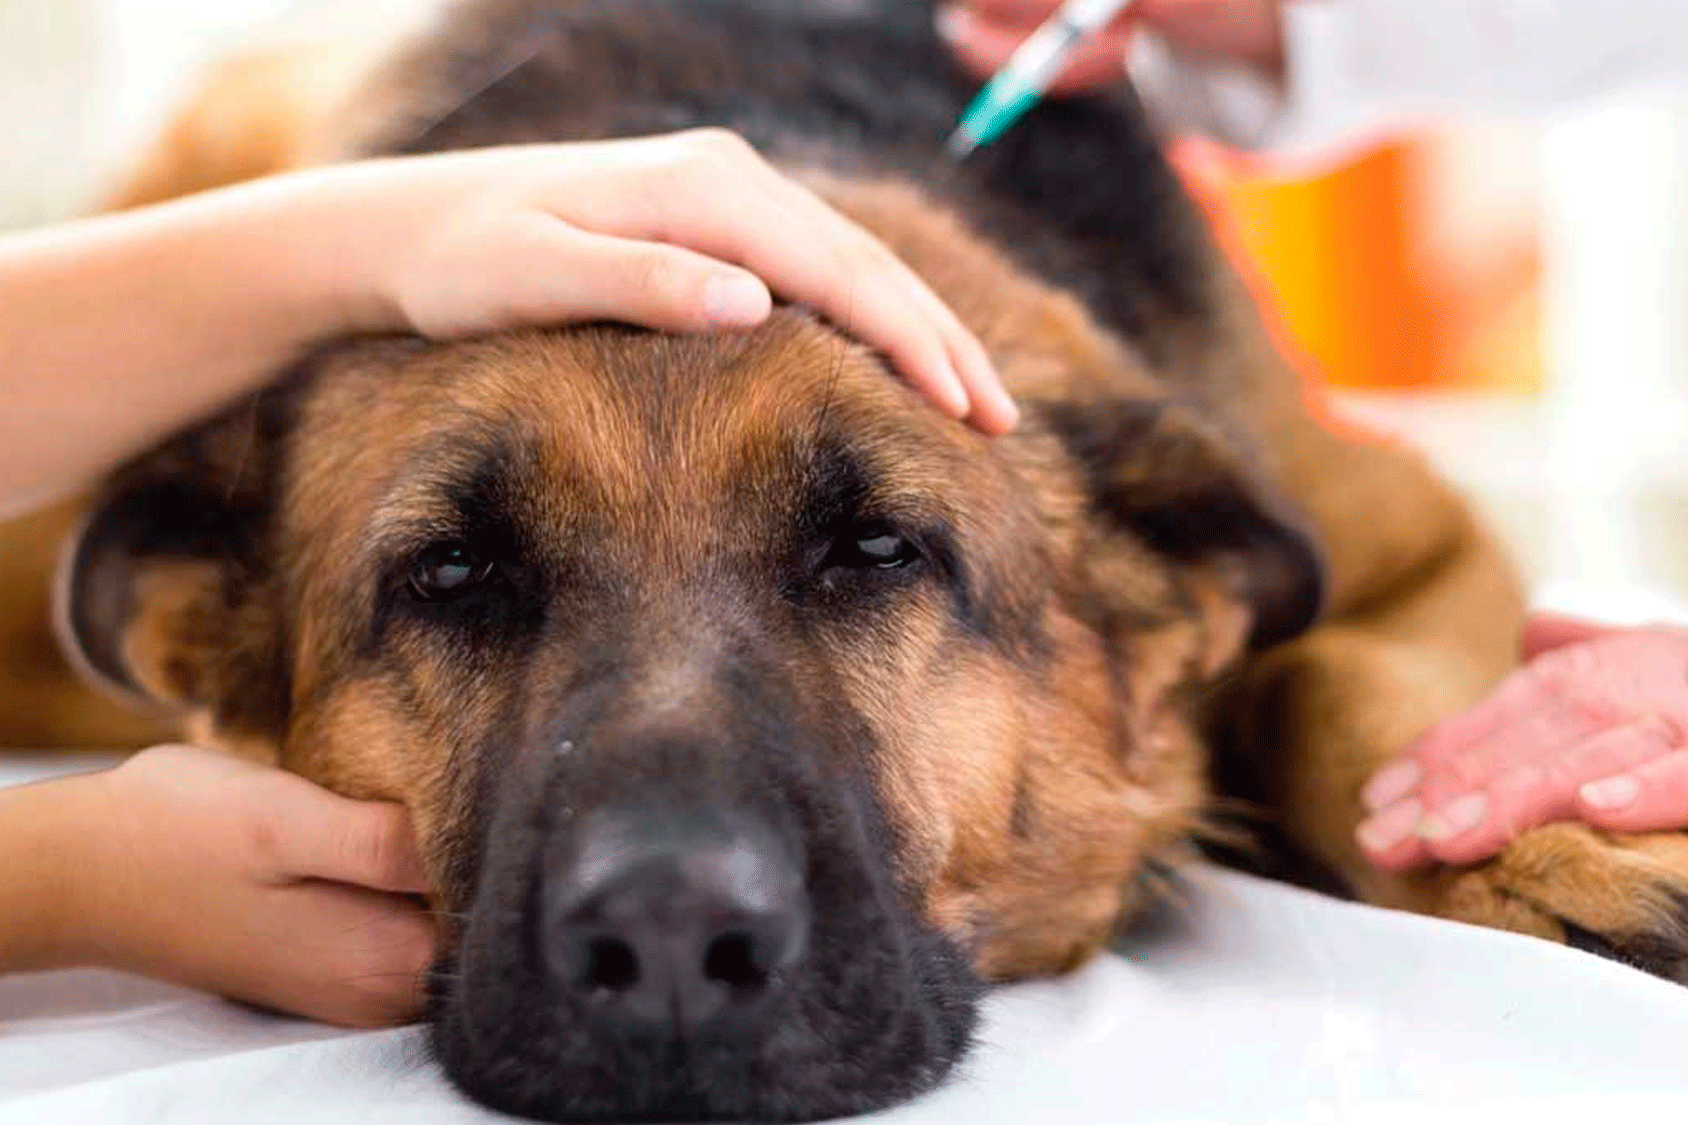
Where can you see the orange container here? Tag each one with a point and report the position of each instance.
(1345, 261)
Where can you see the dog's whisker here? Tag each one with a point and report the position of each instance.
(829, 389)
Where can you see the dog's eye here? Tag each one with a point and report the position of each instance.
(872, 548)
(447, 571)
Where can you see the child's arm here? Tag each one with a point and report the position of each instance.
(40, 829)
(117, 330)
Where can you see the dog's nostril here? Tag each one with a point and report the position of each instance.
(731, 959)
(612, 965)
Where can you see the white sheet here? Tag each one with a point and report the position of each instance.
(1261, 1004)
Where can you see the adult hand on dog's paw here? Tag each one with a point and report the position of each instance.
(253, 883)
(1593, 728)
(984, 33)
(684, 232)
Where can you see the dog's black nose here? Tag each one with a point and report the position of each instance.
(672, 921)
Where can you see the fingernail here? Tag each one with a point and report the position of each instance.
(1389, 827)
(735, 300)
(1002, 404)
(1661, 730)
(1612, 792)
(952, 22)
(1456, 817)
(1390, 785)
(1010, 413)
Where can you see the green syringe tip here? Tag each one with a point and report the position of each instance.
(1001, 103)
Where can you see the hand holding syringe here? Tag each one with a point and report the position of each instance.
(986, 34)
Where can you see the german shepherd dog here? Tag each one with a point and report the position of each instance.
(753, 716)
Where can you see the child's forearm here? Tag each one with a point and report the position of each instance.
(42, 829)
(116, 331)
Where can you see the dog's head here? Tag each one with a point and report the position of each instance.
(750, 713)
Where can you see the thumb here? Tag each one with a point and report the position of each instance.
(316, 834)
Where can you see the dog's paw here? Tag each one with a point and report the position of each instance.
(1622, 896)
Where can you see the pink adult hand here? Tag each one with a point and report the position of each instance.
(1593, 728)
(984, 33)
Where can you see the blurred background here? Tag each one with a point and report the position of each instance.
(1509, 295)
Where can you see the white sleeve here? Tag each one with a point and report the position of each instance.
(1355, 68)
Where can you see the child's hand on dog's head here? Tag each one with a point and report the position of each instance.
(984, 33)
(179, 309)
(684, 232)
(195, 867)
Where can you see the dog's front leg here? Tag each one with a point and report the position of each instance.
(1309, 723)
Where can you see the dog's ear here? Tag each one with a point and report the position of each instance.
(161, 593)
(1176, 482)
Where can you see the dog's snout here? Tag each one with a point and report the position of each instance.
(667, 925)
